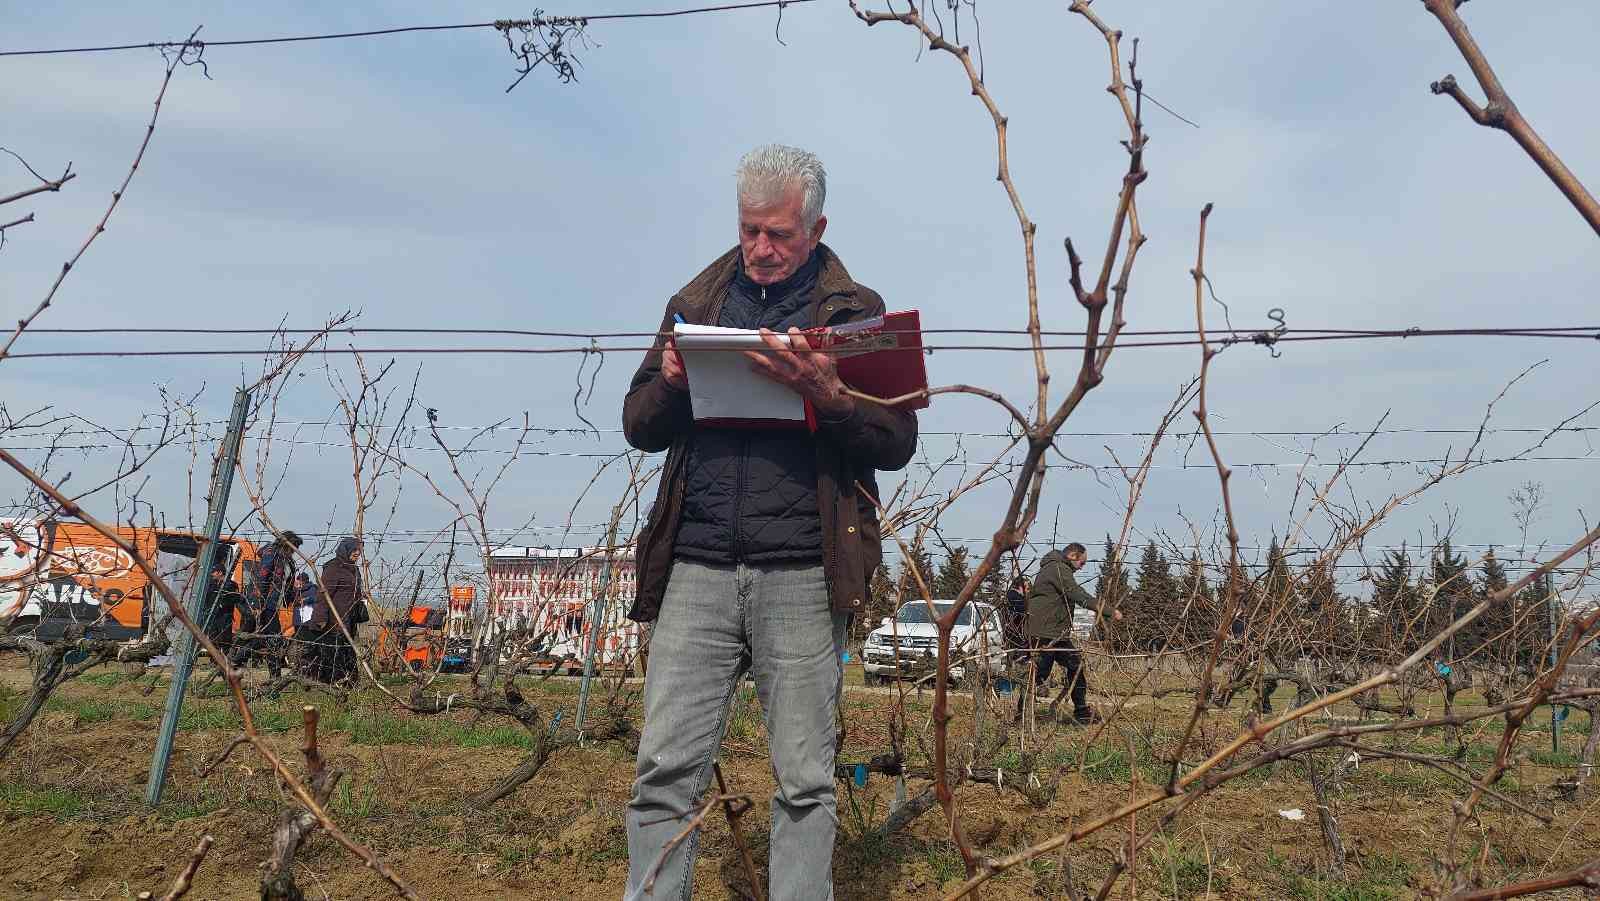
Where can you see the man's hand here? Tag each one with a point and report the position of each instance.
(810, 373)
(1116, 616)
(672, 371)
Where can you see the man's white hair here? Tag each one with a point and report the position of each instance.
(769, 172)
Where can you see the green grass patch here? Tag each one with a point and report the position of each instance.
(355, 802)
(27, 800)
(104, 680)
(1383, 878)
(1554, 758)
(865, 848)
(744, 720)
(10, 701)
(944, 864)
(1008, 759)
(1413, 781)
(86, 710)
(187, 808)
(495, 737)
(1186, 871)
(207, 717)
(379, 728)
(613, 848)
(366, 728)
(1112, 765)
(514, 856)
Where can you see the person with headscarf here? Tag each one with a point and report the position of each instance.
(338, 602)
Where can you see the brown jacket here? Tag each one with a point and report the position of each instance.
(657, 417)
(341, 588)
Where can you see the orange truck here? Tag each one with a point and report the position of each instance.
(55, 574)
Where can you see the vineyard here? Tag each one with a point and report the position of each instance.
(385, 629)
(74, 788)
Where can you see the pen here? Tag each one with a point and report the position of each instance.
(678, 318)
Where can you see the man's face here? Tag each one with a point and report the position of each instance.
(1076, 559)
(773, 239)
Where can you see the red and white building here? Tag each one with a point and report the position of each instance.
(549, 593)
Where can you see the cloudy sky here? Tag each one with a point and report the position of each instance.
(394, 177)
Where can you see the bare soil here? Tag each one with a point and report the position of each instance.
(71, 796)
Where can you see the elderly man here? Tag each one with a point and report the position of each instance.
(761, 542)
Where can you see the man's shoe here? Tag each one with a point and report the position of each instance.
(1087, 717)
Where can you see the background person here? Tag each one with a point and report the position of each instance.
(1051, 603)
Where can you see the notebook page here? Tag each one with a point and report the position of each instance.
(721, 383)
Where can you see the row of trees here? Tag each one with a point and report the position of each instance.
(943, 581)
(1170, 602)
(1301, 610)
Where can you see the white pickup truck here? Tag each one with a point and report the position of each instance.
(908, 644)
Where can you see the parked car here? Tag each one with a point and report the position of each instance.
(908, 644)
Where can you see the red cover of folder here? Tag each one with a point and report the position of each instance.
(881, 356)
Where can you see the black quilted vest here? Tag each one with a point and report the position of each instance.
(751, 494)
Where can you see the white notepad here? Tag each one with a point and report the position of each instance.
(721, 383)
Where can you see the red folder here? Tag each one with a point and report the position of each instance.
(881, 356)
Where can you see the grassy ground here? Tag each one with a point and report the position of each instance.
(73, 788)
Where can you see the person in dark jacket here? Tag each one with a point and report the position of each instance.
(335, 604)
(1051, 603)
(221, 600)
(271, 582)
(305, 598)
(761, 542)
(306, 645)
(268, 586)
(1016, 614)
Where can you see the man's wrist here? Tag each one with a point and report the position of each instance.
(838, 411)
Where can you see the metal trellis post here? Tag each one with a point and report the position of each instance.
(595, 622)
(184, 649)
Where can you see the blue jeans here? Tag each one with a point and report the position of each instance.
(715, 622)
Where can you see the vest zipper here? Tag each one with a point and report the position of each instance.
(744, 471)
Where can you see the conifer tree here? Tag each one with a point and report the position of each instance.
(953, 574)
(1197, 603)
(1113, 592)
(1495, 635)
(880, 600)
(1155, 604)
(995, 582)
(1395, 604)
(1452, 595)
(922, 562)
(1327, 631)
(1533, 621)
(1277, 580)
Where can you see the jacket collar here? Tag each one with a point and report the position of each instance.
(804, 278)
(703, 294)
